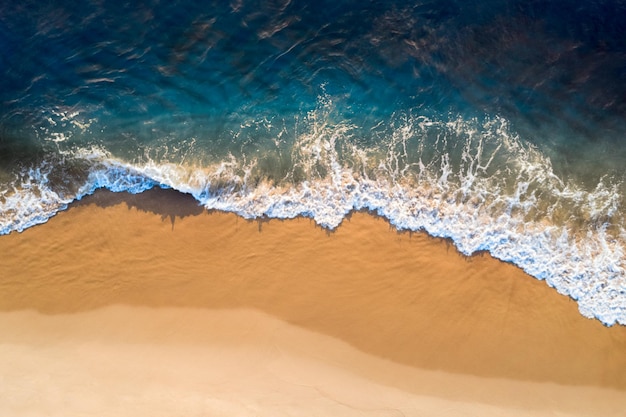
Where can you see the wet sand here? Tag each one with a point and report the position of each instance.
(148, 305)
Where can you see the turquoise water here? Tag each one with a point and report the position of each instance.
(499, 125)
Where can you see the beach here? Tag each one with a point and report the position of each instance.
(353, 208)
(150, 305)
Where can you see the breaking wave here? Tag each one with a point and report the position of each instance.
(473, 181)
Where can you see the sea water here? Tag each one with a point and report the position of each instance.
(499, 124)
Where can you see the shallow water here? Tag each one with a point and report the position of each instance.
(499, 125)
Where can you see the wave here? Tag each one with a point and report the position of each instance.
(472, 181)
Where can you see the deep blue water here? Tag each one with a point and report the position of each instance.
(500, 125)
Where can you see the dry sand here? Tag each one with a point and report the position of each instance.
(147, 305)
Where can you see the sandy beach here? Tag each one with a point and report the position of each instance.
(148, 305)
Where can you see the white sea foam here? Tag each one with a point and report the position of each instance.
(488, 191)
(29, 201)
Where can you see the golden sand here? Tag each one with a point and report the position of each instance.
(132, 305)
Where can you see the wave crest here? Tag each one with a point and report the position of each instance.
(472, 181)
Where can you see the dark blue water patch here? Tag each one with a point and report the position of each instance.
(153, 75)
(499, 56)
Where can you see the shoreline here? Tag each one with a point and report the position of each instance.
(399, 300)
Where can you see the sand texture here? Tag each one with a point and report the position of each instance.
(148, 305)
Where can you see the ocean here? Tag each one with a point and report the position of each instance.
(499, 124)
